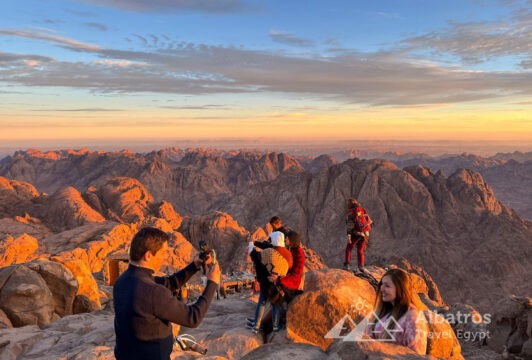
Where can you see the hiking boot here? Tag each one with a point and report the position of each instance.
(249, 320)
(363, 270)
(274, 332)
(250, 325)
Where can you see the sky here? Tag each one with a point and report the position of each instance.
(136, 70)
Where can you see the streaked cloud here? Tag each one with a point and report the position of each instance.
(22, 58)
(289, 39)
(197, 107)
(475, 42)
(381, 78)
(58, 40)
(49, 21)
(78, 110)
(119, 63)
(96, 26)
(207, 6)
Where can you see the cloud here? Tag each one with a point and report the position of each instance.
(78, 110)
(96, 25)
(480, 41)
(349, 77)
(119, 63)
(49, 21)
(205, 6)
(199, 107)
(141, 38)
(526, 63)
(289, 39)
(59, 40)
(6, 58)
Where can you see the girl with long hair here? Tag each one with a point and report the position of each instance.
(398, 313)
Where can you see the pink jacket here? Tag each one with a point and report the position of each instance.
(411, 330)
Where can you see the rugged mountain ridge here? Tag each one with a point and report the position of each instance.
(510, 175)
(451, 226)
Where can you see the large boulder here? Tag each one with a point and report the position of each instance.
(62, 284)
(87, 297)
(24, 296)
(17, 251)
(331, 297)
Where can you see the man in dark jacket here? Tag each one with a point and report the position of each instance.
(144, 305)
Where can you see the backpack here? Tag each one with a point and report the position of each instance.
(361, 220)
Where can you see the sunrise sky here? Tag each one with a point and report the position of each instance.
(324, 70)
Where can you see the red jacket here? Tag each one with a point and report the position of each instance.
(292, 280)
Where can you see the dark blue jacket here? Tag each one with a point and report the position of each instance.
(144, 308)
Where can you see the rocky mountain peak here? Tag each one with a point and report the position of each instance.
(468, 186)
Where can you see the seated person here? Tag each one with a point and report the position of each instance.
(399, 317)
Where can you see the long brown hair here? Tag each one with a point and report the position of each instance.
(404, 300)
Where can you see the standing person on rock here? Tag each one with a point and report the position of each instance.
(358, 227)
(398, 316)
(144, 305)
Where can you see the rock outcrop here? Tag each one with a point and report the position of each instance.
(90, 243)
(17, 251)
(65, 210)
(223, 234)
(511, 326)
(61, 282)
(15, 197)
(80, 337)
(442, 341)
(38, 292)
(417, 215)
(330, 296)
(87, 296)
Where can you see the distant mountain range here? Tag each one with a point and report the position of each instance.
(453, 227)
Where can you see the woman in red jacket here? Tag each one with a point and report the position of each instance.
(293, 282)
